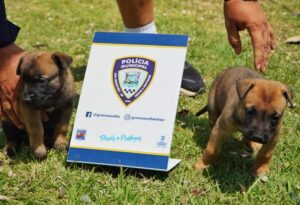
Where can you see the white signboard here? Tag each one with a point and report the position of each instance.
(128, 103)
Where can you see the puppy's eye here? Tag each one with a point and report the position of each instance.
(250, 111)
(275, 118)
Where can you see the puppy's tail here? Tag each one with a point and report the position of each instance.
(203, 110)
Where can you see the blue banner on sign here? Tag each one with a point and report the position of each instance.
(113, 158)
(142, 39)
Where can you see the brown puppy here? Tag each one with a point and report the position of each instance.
(242, 100)
(46, 85)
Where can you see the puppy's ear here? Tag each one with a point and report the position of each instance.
(288, 94)
(244, 86)
(62, 60)
(19, 66)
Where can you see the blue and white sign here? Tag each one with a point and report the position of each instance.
(128, 102)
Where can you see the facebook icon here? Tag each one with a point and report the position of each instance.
(88, 114)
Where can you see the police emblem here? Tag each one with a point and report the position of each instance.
(132, 76)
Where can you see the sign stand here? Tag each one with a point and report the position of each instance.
(127, 108)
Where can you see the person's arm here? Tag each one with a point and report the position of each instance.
(247, 14)
(9, 59)
(10, 55)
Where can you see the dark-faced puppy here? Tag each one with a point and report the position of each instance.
(242, 100)
(46, 85)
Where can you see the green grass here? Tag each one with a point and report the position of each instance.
(68, 26)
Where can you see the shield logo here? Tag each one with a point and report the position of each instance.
(132, 76)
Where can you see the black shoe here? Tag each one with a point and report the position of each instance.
(192, 82)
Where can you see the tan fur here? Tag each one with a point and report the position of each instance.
(233, 91)
(55, 67)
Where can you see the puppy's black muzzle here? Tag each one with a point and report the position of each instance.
(39, 93)
(39, 100)
(258, 138)
(255, 135)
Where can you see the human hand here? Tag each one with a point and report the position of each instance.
(241, 15)
(9, 81)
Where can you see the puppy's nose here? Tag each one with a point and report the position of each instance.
(27, 97)
(251, 130)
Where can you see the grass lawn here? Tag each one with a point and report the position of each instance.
(68, 26)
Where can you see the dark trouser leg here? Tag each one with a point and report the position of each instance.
(8, 31)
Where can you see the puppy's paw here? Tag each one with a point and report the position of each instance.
(61, 144)
(199, 165)
(261, 171)
(41, 152)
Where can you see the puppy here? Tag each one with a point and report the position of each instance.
(242, 100)
(46, 85)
